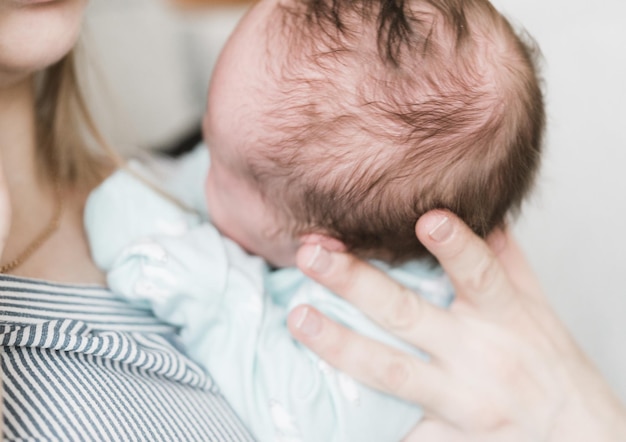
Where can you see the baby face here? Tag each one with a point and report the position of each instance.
(232, 127)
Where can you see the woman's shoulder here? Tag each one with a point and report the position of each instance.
(80, 363)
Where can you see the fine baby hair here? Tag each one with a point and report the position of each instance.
(383, 110)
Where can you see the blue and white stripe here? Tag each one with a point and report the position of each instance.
(80, 364)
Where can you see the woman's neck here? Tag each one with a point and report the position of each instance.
(64, 256)
(18, 156)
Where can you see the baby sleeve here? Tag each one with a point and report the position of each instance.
(237, 331)
(345, 410)
(124, 209)
(157, 254)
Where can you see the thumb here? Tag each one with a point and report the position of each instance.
(474, 269)
(514, 262)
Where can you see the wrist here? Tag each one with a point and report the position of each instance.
(590, 412)
(580, 424)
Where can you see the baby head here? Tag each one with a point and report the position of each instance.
(350, 119)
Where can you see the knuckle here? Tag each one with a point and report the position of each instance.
(484, 416)
(404, 311)
(483, 277)
(333, 342)
(504, 368)
(509, 371)
(345, 278)
(395, 376)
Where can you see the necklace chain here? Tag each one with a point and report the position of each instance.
(40, 239)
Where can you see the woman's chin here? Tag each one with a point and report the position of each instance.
(37, 34)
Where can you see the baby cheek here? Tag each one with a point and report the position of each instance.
(218, 212)
(209, 194)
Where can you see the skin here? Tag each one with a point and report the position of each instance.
(35, 35)
(232, 125)
(32, 37)
(237, 108)
(503, 367)
(492, 313)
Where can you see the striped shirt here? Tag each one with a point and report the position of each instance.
(77, 363)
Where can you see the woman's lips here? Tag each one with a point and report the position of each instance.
(32, 2)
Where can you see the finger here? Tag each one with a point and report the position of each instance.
(391, 371)
(394, 307)
(434, 430)
(515, 264)
(467, 259)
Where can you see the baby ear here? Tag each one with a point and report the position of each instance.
(327, 242)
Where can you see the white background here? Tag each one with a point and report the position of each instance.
(574, 230)
(157, 62)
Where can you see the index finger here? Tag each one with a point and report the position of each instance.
(469, 262)
(515, 264)
(387, 302)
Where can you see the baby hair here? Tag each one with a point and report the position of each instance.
(387, 109)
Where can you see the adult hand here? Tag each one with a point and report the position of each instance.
(502, 368)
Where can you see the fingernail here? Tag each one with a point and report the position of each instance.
(319, 261)
(442, 230)
(309, 322)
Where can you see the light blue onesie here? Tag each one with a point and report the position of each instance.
(232, 311)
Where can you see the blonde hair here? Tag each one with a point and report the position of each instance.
(71, 149)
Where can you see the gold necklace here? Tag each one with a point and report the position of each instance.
(40, 239)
